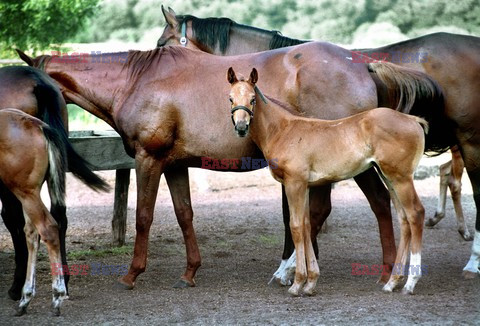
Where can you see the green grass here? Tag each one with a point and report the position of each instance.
(104, 252)
(269, 239)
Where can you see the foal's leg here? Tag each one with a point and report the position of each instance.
(44, 225)
(148, 171)
(379, 199)
(320, 208)
(59, 213)
(28, 291)
(401, 259)
(179, 187)
(307, 266)
(12, 216)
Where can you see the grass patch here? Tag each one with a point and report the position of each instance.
(269, 239)
(104, 252)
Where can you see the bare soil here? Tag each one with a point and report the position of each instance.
(240, 233)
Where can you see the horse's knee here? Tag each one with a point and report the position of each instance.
(143, 221)
(184, 215)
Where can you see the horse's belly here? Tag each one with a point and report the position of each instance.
(337, 170)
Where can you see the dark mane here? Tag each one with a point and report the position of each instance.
(287, 107)
(139, 62)
(280, 41)
(209, 31)
(212, 31)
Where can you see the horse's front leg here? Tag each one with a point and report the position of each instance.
(320, 208)
(148, 171)
(178, 184)
(472, 269)
(307, 267)
(379, 199)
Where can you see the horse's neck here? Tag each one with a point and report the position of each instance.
(269, 122)
(91, 84)
(244, 39)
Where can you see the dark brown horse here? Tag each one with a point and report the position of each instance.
(450, 59)
(155, 100)
(30, 153)
(34, 92)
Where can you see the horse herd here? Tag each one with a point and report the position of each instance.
(308, 105)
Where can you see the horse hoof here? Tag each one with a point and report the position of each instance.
(310, 291)
(387, 288)
(466, 236)
(407, 291)
(21, 311)
(294, 290)
(121, 284)
(182, 284)
(56, 311)
(468, 275)
(383, 279)
(15, 295)
(431, 222)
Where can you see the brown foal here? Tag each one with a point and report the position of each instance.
(391, 141)
(32, 152)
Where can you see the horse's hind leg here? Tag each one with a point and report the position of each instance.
(59, 213)
(455, 185)
(379, 199)
(178, 185)
(28, 291)
(12, 216)
(445, 171)
(40, 222)
(472, 269)
(414, 212)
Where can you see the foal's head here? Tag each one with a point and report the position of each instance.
(243, 99)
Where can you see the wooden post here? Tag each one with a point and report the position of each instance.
(119, 220)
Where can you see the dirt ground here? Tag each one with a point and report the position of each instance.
(240, 233)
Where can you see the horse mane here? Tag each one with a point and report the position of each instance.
(209, 31)
(212, 31)
(280, 41)
(138, 62)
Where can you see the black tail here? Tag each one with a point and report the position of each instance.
(50, 104)
(416, 93)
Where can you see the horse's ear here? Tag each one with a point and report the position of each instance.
(170, 17)
(253, 76)
(231, 76)
(24, 57)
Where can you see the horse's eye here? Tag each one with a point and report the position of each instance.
(252, 102)
(231, 100)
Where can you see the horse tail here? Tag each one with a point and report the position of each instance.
(57, 165)
(423, 123)
(50, 104)
(418, 94)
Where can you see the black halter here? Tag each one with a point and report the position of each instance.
(241, 107)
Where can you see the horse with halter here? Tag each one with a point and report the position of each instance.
(450, 59)
(31, 153)
(391, 141)
(34, 92)
(156, 101)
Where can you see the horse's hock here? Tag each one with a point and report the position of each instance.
(105, 151)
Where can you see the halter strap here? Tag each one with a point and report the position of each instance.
(183, 39)
(241, 107)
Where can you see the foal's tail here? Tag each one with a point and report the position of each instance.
(57, 165)
(50, 104)
(416, 93)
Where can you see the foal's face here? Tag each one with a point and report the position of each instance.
(242, 99)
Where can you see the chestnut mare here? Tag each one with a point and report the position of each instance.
(155, 101)
(34, 92)
(450, 59)
(32, 152)
(391, 141)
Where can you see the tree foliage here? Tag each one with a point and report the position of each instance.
(35, 24)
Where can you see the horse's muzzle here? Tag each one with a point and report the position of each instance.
(241, 127)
